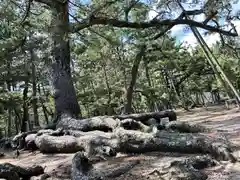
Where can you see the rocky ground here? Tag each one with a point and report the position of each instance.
(228, 121)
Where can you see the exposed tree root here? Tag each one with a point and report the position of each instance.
(2, 154)
(103, 136)
(83, 168)
(91, 144)
(138, 142)
(131, 141)
(143, 117)
(109, 123)
(54, 144)
(135, 125)
(188, 169)
(184, 127)
(19, 141)
(12, 172)
(102, 123)
(127, 135)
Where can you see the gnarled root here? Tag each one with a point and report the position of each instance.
(12, 172)
(83, 168)
(188, 169)
(138, 142)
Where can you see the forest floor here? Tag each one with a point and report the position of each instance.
(217, 117)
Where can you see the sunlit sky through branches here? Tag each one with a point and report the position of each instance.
(181, 32)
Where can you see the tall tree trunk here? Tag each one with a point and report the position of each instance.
(45, 94)
(109, 112)
(44, 109)
(25, 118)
(9, 123)
(129, 95)
(65, 96)
(34, 90)
(151, 93)
(17, 120)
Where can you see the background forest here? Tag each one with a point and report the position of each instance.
(111, 66)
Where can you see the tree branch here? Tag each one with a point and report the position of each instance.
(28, 7)
(74, 27)
(47, 2)
(210, 17)
(194, 12)
(169, 27)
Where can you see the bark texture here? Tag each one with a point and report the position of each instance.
(134, 72)
(189, 169)
(109, 123)
(132, 141)
(25, 118)
(185, 127)
(103, 123)
(12, 172)
(53, 144)
(84, 169)
(143, 117)
(65, 95)
(34, 88)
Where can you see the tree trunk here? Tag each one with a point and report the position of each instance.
(45, 94)
(151, 93)
(25, 118)
(65, 95)
(17, 120)
(34, 90)
(109, 112)
(129, 96)
(44, 109)
(9, 123)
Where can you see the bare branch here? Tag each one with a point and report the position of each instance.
(168, 28)
(128, 9)
(210, 17)
(163, 32)
(28, 7)
(74, 27)
(194, 12)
